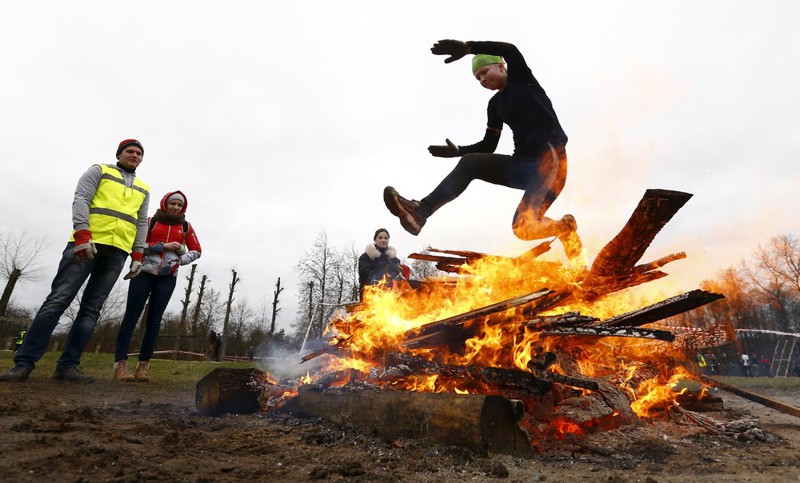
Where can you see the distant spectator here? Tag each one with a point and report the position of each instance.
(19, 338)
(702, 364)
(796, 370)
(212, 341)
(765, 365)
(745, 362)
(713, 364)
(217, 354)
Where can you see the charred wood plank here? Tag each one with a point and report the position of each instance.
(495, 377)
(579, 382)
(598, 331)
(751, 396)
(656, 264)
(460, 253)
(485, 424)
(534, 252)
(600, 288)
(414, 335)
(654, 210)
(567, 319)
(661, 310)
(437, 258)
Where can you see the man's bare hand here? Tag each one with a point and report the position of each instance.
(454, 48)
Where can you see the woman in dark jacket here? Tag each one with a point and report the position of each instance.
(379, 262)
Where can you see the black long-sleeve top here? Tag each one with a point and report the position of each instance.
(523, 105)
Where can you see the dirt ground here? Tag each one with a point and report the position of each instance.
(139, 432)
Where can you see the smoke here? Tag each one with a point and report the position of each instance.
(284, 362)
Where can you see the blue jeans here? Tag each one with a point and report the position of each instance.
(102, 272)
(159, 289)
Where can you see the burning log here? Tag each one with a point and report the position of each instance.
(655, 209)
(481, 423)
(661, 310)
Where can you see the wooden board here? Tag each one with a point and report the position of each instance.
(622, 253)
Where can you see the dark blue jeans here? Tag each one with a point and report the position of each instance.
(159, 289)
(102, 273)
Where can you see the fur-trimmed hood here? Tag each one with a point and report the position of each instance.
(373, 253)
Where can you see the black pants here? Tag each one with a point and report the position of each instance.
(540, 177)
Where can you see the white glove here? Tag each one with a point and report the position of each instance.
(136, 269)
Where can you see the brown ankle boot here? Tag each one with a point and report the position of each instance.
(121, 373)
(141, 371)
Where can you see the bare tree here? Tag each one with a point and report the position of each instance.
(770, 285)
(275, 309)
(199, 336)
(314, 270)
(422, 269)
(228, 306)
(19, 261)
(183, 325)
(210, 312)
(242, 322)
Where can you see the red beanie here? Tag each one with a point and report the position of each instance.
(129, 142)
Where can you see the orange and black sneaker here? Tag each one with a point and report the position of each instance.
(570, 239)
(407, 210)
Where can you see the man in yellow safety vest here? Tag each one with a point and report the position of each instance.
(109, 220)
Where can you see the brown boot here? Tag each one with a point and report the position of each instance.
(570, 239)
(141, 371)
(121, 372)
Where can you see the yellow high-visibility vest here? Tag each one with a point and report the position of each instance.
(114, 211)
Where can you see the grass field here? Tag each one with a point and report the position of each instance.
(184, 374)
(163, 372)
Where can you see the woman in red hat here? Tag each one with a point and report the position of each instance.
(171, 242)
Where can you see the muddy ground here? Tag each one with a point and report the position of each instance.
(104, 431)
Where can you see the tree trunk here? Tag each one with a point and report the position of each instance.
(6, 298)
(182, 323)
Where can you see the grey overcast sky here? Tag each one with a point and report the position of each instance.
(281, 119)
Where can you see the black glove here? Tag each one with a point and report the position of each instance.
(454, 48)
(448, 151)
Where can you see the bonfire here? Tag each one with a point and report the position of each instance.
(508, 353)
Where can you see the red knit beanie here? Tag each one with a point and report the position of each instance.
(129, 142)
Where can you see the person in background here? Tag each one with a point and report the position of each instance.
(379, 262)
(109, 220)
(538, 165)
(171, 242)
(19, 339)
(212, 340)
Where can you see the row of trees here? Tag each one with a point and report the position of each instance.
(762, 292)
